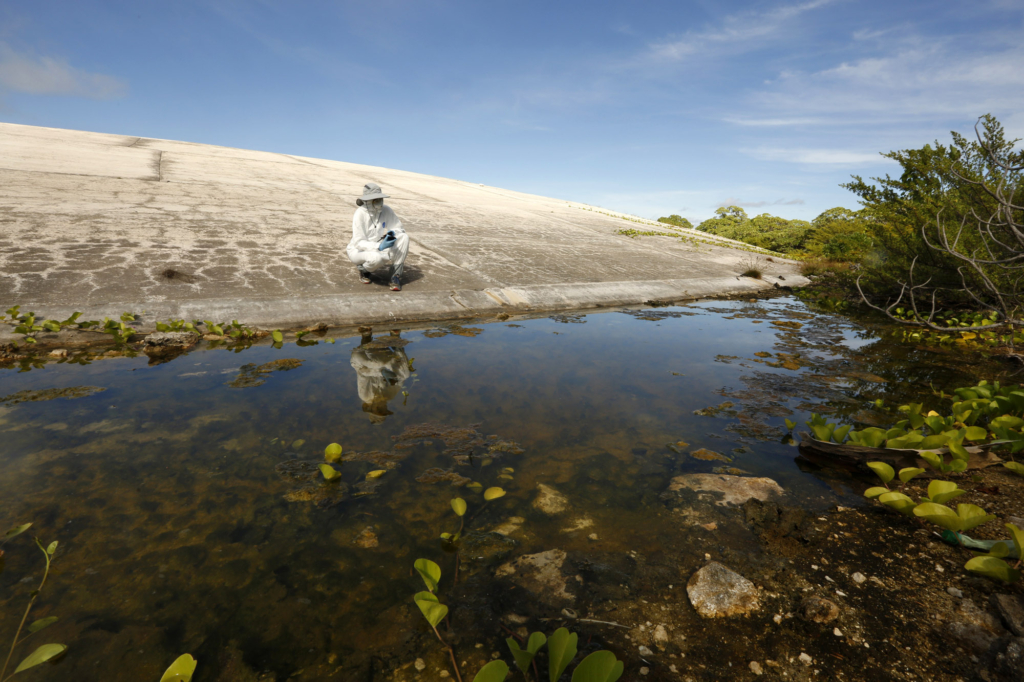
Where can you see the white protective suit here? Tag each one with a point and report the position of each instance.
(380, 376)
(368, 231)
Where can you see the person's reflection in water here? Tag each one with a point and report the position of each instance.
(380, 375)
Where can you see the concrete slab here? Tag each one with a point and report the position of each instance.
(106, 223)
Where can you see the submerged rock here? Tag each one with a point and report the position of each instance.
(549, 500)
(1011, 608)
(539, 573)
(366, 538)
(717, 592)
(818, 610)
(485, 548)
(734, 489)
(171, 339)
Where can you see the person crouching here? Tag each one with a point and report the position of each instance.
(379, 244)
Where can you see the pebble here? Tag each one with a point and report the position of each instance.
(953, 592)
(858, 578)
(592, 536)
(778, 619)
(644, 670)
(660, 634)
(837, 632)
(59, 352)
(805, 659)
(716, 592)
(644, 651)
(443, 673)
(755, 668)
(419, 664)
(673, 669)
(940, 569)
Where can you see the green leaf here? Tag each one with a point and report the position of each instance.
(277, 336)
(161, 327)
(18, 530)
(493, 493)
(898, 501)
(935, 424)
(976, 433)
(872, 493)
(431, 609)
(933, 442)
(329, 472)
(218, 330)
(883, 470)
(1015, 467)
(298, 443)
(459, 506)
(956, 448)
(495, 671)
(38, 625)
(561, 651)
(41, 655)
(871, 437)
(181, 670)
(790, 424)
(940, 515)
(941, 492)
(1018, 538)
(958, 465)
(600, 666)
(475, 487)
(535, 642)
(332, 453)
(910, 472)
(429, 571)
(1000, 550)
(992, 567)
(51, 325)
(52, 548)
(822, 431)
(840, 434)
(972, 516)
(522, 657)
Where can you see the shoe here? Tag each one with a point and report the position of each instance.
(364, 277)
(396, 284)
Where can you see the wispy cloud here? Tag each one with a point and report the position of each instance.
(916, 81)
(41, 75)
(745, 30)
(759, 204)
(842, 157)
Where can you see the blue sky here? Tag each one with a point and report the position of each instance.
(647, 107)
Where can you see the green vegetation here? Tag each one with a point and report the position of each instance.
(837, 235)
(676, 220)
(45, 652)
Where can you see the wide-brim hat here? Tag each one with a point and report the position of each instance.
(371, 191)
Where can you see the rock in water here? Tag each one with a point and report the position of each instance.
(549, 500)
(818, 610)
(717, 592)
(172, 339)
(734, 489)
(540, 573)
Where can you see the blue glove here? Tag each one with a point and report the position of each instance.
(388, 241)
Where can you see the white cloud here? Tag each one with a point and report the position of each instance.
(916, 81)
(54, 76)
(746, 29)
(843, 157)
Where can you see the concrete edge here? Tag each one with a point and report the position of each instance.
(350, 310)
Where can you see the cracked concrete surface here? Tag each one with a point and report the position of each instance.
(107, 223)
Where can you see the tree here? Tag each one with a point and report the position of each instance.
(841, 234)
(952, 227)
(676, 220)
